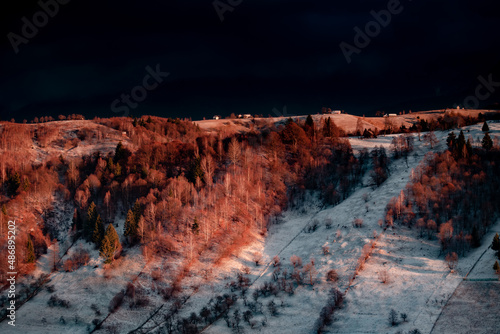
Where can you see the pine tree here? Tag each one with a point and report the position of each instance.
(98, 233)
(110, 165)
(106, 251)
(309, 127)
(91, 219)
(451, 141)
(327, 129)
(120, 158)
(485, 128)
(131, 226)
(92, 212)
(459, 150)
(112, 236)
(30, 255)
(26, 184)
(195, 171)
(128, 221)
(487, 142)
(495, 245)
(309, 121)
(118, 152)
(118, 169)
(13, 183)
(468, 146)
(195, 228)
(136, 209)
(110, 244)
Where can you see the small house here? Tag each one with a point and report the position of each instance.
(247, 116)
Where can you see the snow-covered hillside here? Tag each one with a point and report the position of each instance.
(419, 282)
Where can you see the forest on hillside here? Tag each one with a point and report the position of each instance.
(181, 191)
(452, 196)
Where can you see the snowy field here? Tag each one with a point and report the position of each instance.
(472, 309)
(480, 292)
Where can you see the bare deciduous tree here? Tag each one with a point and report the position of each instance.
(234, 151)
(332, 275)
(107, 199)
(383, 275)
(257, 257)
(430, 138)
(295, 261)
(358, 222)
(208, 167)
(451, 260)
(326, 250)
(393, 318)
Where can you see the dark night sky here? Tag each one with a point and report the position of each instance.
(264, 55)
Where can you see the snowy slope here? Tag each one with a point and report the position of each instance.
(420, 283)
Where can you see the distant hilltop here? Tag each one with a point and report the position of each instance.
(347, 122)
